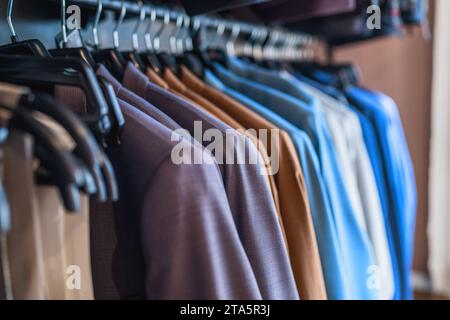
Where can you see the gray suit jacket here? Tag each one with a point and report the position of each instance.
(247, 190)
(171, 235)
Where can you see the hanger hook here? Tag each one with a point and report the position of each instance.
(63, 22)
(173, 39)
(286, 46)
(296, 49)
(142, 14)
(188, 43)
(183, 37)
(219, 31)
(248, 47)
(9, 21)
(123, 12)
(98, 14)
(235, 31)
(269, 48)
(147, 35)
(289, 47)
(157, 38)
(257, 50)
(196, 25)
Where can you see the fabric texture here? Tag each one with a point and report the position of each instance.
(330, 251)
(221, 116)
(295, 210)
(358, 174)
(135, 250)
(360, 256)
(247, 190)
(179, 245)
(383, 113)
(51, 214)
(27, 269)
(375, 155)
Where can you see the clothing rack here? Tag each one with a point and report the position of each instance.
(195, 173)
(254, 30)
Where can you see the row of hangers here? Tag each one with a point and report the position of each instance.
(259, 41)
(85, 169)
(29, 64)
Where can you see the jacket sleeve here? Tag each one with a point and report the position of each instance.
(191, 246)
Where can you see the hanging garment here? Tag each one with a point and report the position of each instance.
(78, 254)
(65, 236)
(51, 214)
(296, 216)
(252, 184)
(37, 241)
(383, 113)
(330, 251)
(28, 276)
(395, 176)
(135, 241)
(359, 178)
(356, 167)
(137, 82)
(375, 156)
(311, 120)
(140, 84)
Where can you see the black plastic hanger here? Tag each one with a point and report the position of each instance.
(34, 70)
(167, 59)
(57, 160)
(62, 41)
(115, 112)
(99, 169)
(38, 68)
(116, 115)
(27, 47)
(108, 188)
(149, 57)
(271, 47)
(133, 55)
(196, 58)
(200, 57)
(62, 48)
(86, 146)
(61, 71)
(343, 75)
(96, 167)
(113, 58)
(20, 102)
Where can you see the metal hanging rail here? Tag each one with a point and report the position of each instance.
(203, 20)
